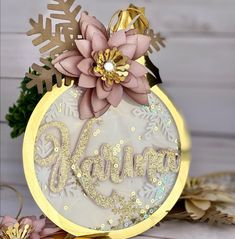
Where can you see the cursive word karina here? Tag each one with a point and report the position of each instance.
(101, 167)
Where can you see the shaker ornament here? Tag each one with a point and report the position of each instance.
(106, 153)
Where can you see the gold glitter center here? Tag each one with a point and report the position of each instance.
(111, 65)
(16, 231)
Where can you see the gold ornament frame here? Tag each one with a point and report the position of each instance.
(79, 231)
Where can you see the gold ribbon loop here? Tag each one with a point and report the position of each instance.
(130, 18)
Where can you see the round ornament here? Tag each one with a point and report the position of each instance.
(107, 156)
(116, 175)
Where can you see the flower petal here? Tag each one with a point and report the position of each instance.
(49, 231)
(116, 94)
(102, 90)
(25, 221)
(133, 39)
(143, 86)
(83, 27)
(128, 50)
(102, 111)
(39, 224)
(68, 66)
(130, 81)
(8, 221)
(142, 46)
(137, 69)
(99, 42)
(87, 81)
(99, 106)
(85, 66)
(139, 98)
(117, 39)
(35, 235)
(91, 30)
(90, 20)
(85, 109)
(65, 55)
(84, 47)
(131, 32)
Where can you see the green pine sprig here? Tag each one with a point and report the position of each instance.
(19, 114)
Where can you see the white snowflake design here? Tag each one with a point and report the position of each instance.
(43, 176)
(158, 118)
(65, 105)
(44, 147)
(159, 192)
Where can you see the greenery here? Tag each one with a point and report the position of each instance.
(19, 114)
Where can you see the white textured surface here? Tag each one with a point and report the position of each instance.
(197, 68)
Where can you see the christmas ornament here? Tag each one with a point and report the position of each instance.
(108, 155)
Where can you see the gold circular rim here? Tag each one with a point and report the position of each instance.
(74, 229)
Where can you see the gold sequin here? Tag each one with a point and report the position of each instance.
(142, 211)
(115, 165)
(133, 193)
(133, 129)
(66, 207)
(97, 132)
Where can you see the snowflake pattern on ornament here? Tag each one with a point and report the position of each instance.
(66, 107)
(158, 119)
(43, 175)
(44, 147)
(160, 191)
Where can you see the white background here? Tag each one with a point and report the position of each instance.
(198, 70)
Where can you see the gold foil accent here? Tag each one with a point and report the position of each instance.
(16, 231)
(133, 17)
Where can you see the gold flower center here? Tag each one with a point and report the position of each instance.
(17, 232)
(111, 65)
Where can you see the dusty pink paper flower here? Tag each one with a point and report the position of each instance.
(27, 227)
(106, 67)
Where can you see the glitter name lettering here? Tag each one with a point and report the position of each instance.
(101, 167)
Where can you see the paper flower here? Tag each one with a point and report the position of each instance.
(27, 227)
(106, 67)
